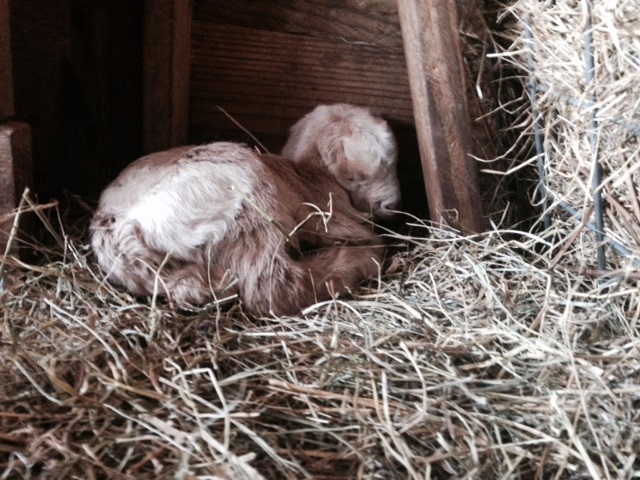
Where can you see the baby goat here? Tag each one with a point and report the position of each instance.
(198, 223)
(356, 148)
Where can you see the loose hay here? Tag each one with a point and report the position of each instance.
(471, 358)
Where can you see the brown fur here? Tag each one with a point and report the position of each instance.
(199, 224)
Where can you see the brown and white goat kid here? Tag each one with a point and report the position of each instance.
(198, 223)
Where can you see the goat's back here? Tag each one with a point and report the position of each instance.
(175, 197)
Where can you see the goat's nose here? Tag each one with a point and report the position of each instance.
(391, 204)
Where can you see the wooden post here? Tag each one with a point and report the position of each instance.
(15, 137)
(15, 166)
(16, 173)
(167, 44)
(437, 80)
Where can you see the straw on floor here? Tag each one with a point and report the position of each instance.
(467, 358)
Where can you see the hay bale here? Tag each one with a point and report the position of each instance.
(469, 358)
(568, 101)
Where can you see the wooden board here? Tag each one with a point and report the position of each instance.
(167, 26)
(267, 64)
(353, 21)
(438, 85)
(15, 171)
(6, 84)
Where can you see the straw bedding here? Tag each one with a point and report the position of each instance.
(467, 358)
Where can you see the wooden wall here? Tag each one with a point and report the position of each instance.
(15, 142)
(77, 70)
(6, 85)
(267, 64)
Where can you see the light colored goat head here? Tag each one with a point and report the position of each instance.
(356, 147)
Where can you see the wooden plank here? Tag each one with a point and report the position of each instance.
(167, 25)
(267, 80)
(365, 21)
(6, 83)
(15, 171)
(438, 87)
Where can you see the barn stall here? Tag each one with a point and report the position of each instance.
(512, 353)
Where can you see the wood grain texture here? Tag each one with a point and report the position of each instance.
(6, 82)
(16, 171)
(438, 86)
(167, 27)
(267, 80)
(367, 21)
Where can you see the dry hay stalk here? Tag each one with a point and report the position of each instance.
(566, 101)
(471, 358)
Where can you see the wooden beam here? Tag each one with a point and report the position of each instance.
(6, 85)
(167, 44)
(430, 30)
(15, 172)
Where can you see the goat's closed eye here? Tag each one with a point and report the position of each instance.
(354, 178)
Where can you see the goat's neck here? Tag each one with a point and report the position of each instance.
(313, 170)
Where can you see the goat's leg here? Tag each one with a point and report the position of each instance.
(284, 286)
(128, 261)
(197, 284)
(338, 230)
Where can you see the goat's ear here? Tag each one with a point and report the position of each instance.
(332, 151)
(386, 150)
